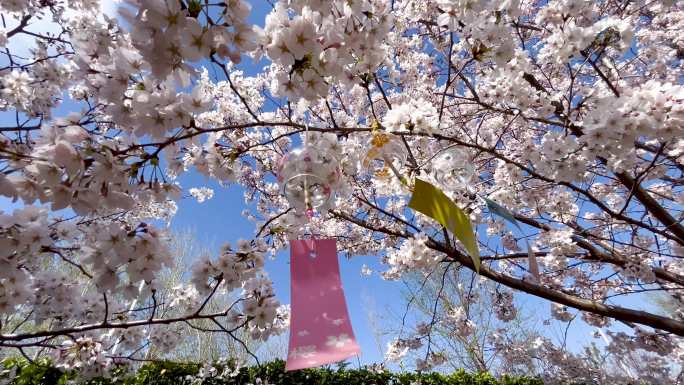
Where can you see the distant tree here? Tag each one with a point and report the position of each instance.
(451, 310)
(196, 345)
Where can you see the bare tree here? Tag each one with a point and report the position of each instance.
(429, 298)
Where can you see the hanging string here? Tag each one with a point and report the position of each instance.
(307, 202)
(390, 164)
(307, 199)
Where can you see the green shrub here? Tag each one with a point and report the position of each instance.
(171, 373)
(38, 373)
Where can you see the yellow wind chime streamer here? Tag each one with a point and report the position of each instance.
(431, 201)
(426, 198)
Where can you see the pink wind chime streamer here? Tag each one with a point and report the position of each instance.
(320, 328)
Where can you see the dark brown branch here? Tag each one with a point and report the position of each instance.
(22, 23)
(213, 291)
(652, 206)
(615, 312)
(596, 255)
(116, 325)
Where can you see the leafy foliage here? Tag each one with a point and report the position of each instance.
(172, 373)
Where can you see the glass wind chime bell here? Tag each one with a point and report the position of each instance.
(309, 179)
(454, 170)
(386, 157)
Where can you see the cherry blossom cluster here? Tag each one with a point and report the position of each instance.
(412, 254)
(418, 116)
(398, 348)
(561, 313)
(169, 36)
(201, 194)
(102, 251)
(504, 308)
(660, 344)
(559, 243)
(563, 366)
(325, 43)
(219, 370)
(458, 320)
(21, 89)
(84, 355)
(433, 359)
(243, 269)
(574, 30)
(654, 110)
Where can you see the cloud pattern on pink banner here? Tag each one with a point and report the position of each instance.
(320, 329)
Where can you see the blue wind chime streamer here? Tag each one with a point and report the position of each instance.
(502, 212)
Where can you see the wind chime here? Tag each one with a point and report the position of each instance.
(386, 157)
(320, 328)
(456, 172)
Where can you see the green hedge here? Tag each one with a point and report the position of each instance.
(170, 373)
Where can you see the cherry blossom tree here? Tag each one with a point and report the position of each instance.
(568, 113)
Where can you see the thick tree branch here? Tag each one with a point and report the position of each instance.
(615, 312)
